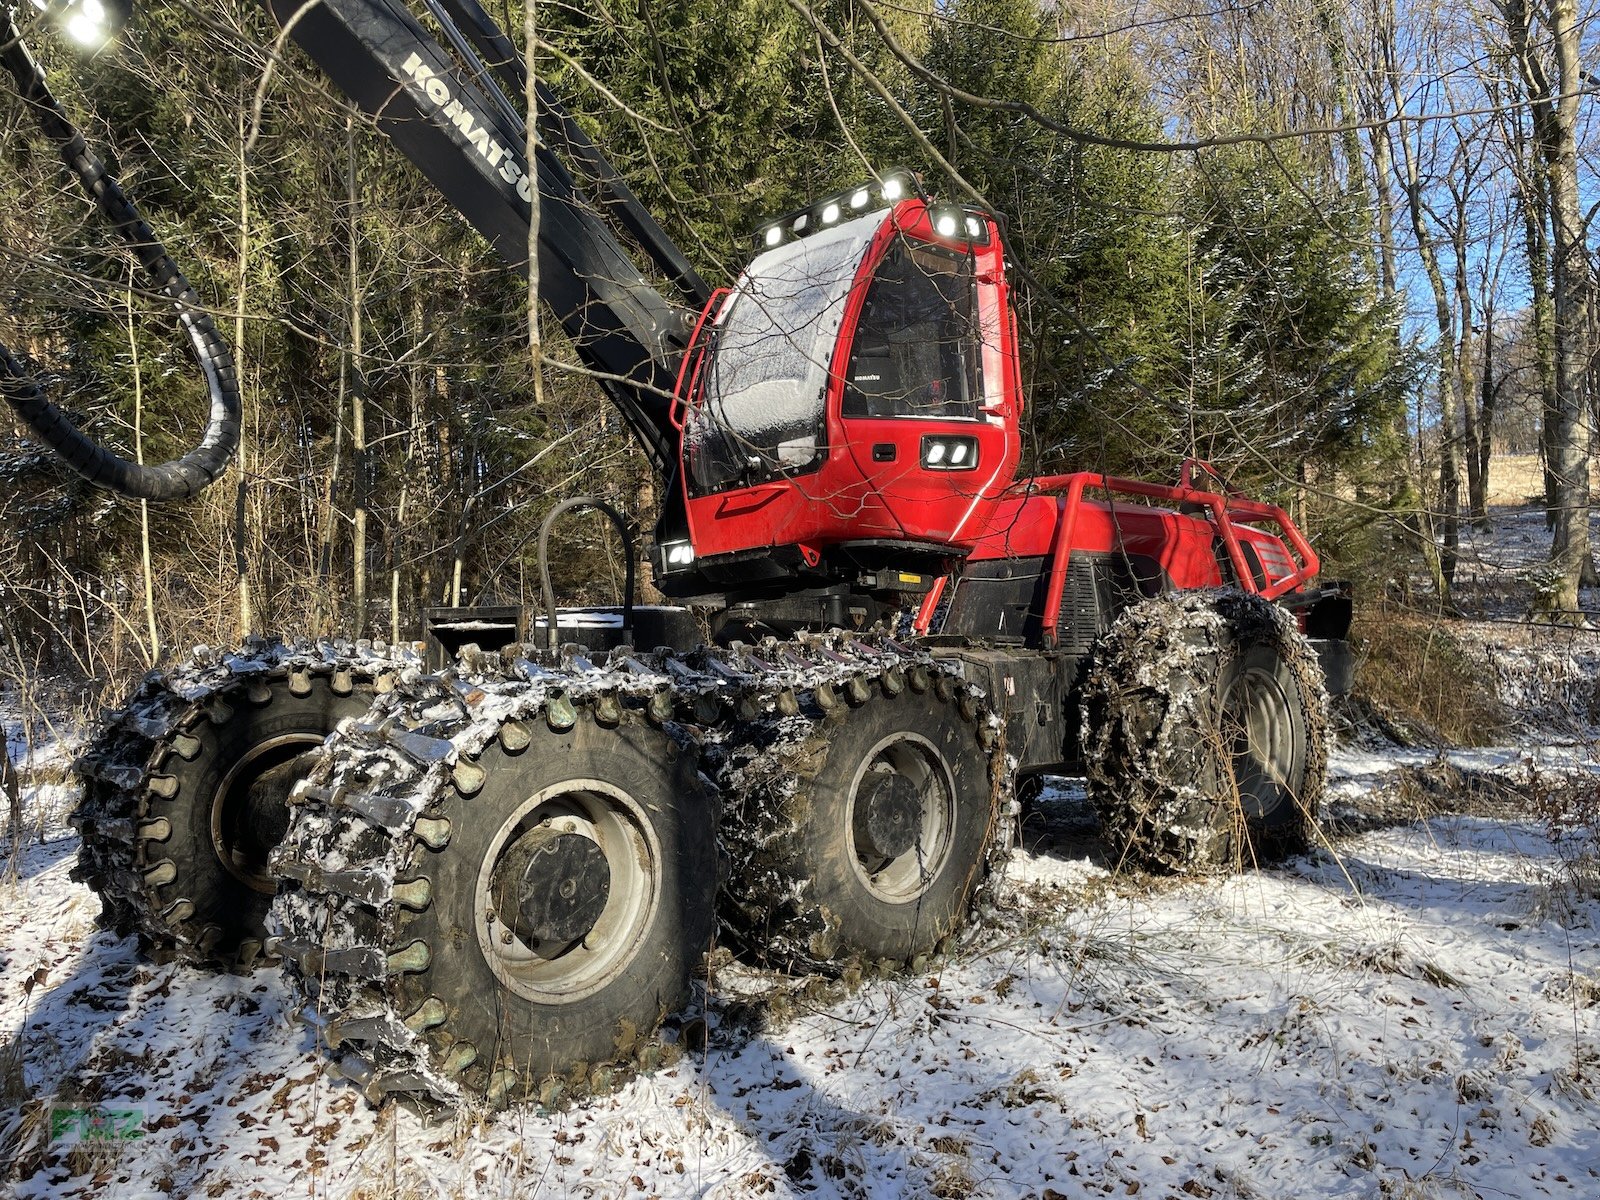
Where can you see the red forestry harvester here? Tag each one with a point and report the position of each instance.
(497, 880)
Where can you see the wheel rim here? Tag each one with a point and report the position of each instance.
(1259, 731)
(592, 828)
(250, 808)
(902, 812)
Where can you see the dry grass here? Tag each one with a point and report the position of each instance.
(1569, 807)
(1519, 479)
(1417, 675)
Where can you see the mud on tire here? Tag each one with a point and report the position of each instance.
(1205, 727)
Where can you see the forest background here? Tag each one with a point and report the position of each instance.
(1339, 250)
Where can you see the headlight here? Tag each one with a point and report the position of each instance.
(90, 23)
(943, 452)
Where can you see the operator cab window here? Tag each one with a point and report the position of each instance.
(763, 415)
(916, 351)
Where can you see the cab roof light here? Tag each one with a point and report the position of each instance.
(89, 23)
(887, 189)
(962, 224)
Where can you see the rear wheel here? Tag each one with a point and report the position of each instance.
(1205, 721)
(179, 850)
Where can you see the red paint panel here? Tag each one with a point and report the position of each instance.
(1025, 526)
(852, 496)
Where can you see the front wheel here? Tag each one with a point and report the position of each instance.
(526, 933)
(1205, 720)
(870, 834)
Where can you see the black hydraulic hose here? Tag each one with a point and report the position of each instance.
(549, 591)
(183, 476)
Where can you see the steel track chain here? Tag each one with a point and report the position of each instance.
(122, 774)
(374, 804)
(1141, 773)
(760, 763)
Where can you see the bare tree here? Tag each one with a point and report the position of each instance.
(1553, 95)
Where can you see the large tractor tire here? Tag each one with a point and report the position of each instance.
(866, 826)
(504, 923)
(1205, 725)
(185, 795)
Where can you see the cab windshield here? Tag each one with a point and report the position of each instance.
(765, 398)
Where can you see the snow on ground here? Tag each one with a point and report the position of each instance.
(1411, 1011)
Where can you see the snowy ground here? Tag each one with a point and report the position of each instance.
(1410, 1012)
(1413, 1011)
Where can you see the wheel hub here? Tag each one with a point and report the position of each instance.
(551, 887)
(888, 817)
(1259, 729)
(567, 891)
(901, 817)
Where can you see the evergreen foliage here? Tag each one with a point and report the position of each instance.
(1212, 303)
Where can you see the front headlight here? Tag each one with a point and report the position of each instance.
(947, 452)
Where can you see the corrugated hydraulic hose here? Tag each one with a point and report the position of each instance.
(183, 476)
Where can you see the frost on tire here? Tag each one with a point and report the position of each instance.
(864, 821)
(1205, 725)
(498, 889)
(425, 914)
(184, 791)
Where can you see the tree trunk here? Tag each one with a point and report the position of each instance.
(1544, 335)
(241, 529)
(12, 787)
(1465, 365)
(1533, 190)
(358, 396)
(1569, 551)
(146, 572)
(1488, 392)
(326, 601)
(1448, 514)
(530, 31)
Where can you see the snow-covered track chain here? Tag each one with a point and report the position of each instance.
(153, 773)
(374, 917)
(802, 892)
(394, 795)
(1181, 781)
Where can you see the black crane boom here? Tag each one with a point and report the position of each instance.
(473, 150)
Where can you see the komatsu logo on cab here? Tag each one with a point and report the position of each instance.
(497, 156)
